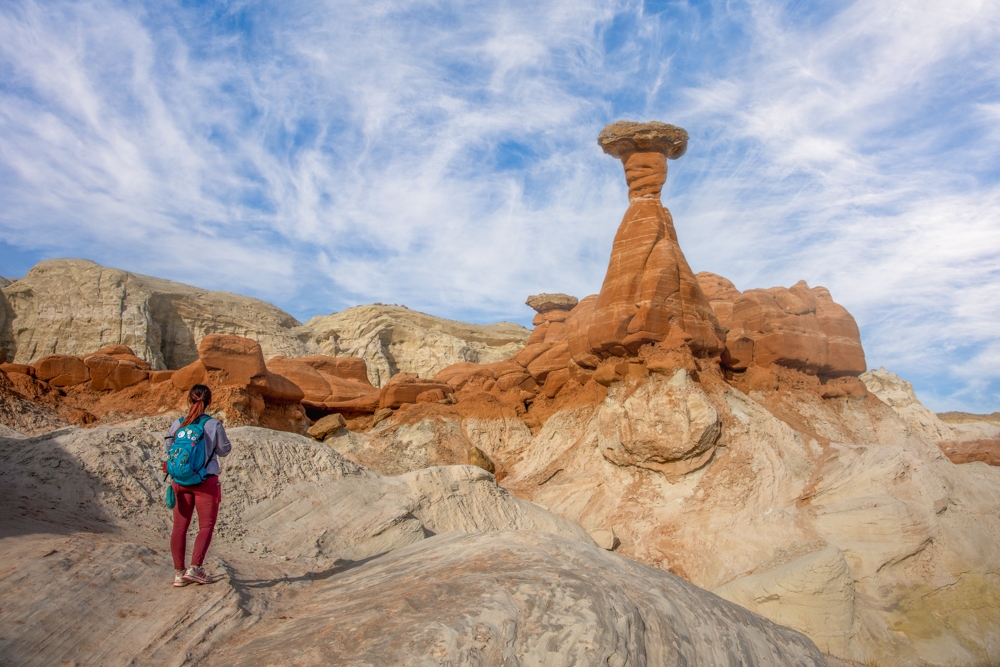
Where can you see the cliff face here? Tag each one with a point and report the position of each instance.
(74, 306)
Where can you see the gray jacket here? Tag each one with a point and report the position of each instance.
(216, 443)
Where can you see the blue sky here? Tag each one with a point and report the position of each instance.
(443, 155)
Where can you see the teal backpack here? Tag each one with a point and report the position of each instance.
(186, 457)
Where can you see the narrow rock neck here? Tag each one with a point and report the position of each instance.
(645, 173)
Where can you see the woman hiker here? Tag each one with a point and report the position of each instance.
(201, 489)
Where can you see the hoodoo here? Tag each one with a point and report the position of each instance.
(649, 293)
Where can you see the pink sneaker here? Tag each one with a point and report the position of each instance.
(196, 575)
(179, 579)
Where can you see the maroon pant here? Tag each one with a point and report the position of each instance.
(206, 498)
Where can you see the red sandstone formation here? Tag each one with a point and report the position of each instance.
(114, 381)
(403, 388)
(330, 384)
(61, 370)
(652, 316)
(986, 451)
(649, 292)
(795, 327)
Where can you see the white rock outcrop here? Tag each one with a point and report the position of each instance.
(395, 339)
(322, 561)
(670, 427)
(898, 394)
(814, 592)
(74, 306)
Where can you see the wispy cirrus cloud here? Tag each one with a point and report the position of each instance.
(443, 155)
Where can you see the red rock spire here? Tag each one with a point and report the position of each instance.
(649, 293)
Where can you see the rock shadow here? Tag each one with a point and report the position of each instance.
(45, 489)
(177, 345)
(8, 344)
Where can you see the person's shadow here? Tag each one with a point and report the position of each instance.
(339, 567)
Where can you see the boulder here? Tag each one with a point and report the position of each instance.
(553, 359)
(624, 137)
(314, 386)
(404, 389)
(315, 377)
(676, 435)
(115, 350)
(343, 389)
(327, 425)
(380, 415)
(277, 388)
(605, 538)
(24, 369)
(364, 405)
(348, 368)
(434, 395)
(156, 377)
(124, 353)
(241, 358)
(109, 373)
(187, 377)
(457, 375)
(543, 303)
(478, 458)
(554, 381)
(62, 370)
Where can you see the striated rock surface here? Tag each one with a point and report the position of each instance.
(680, 437)
(394, 339)
(321, 560)
(520, 598)
(823, 510)
(814, 593)
(74, 306)
(795, 327)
